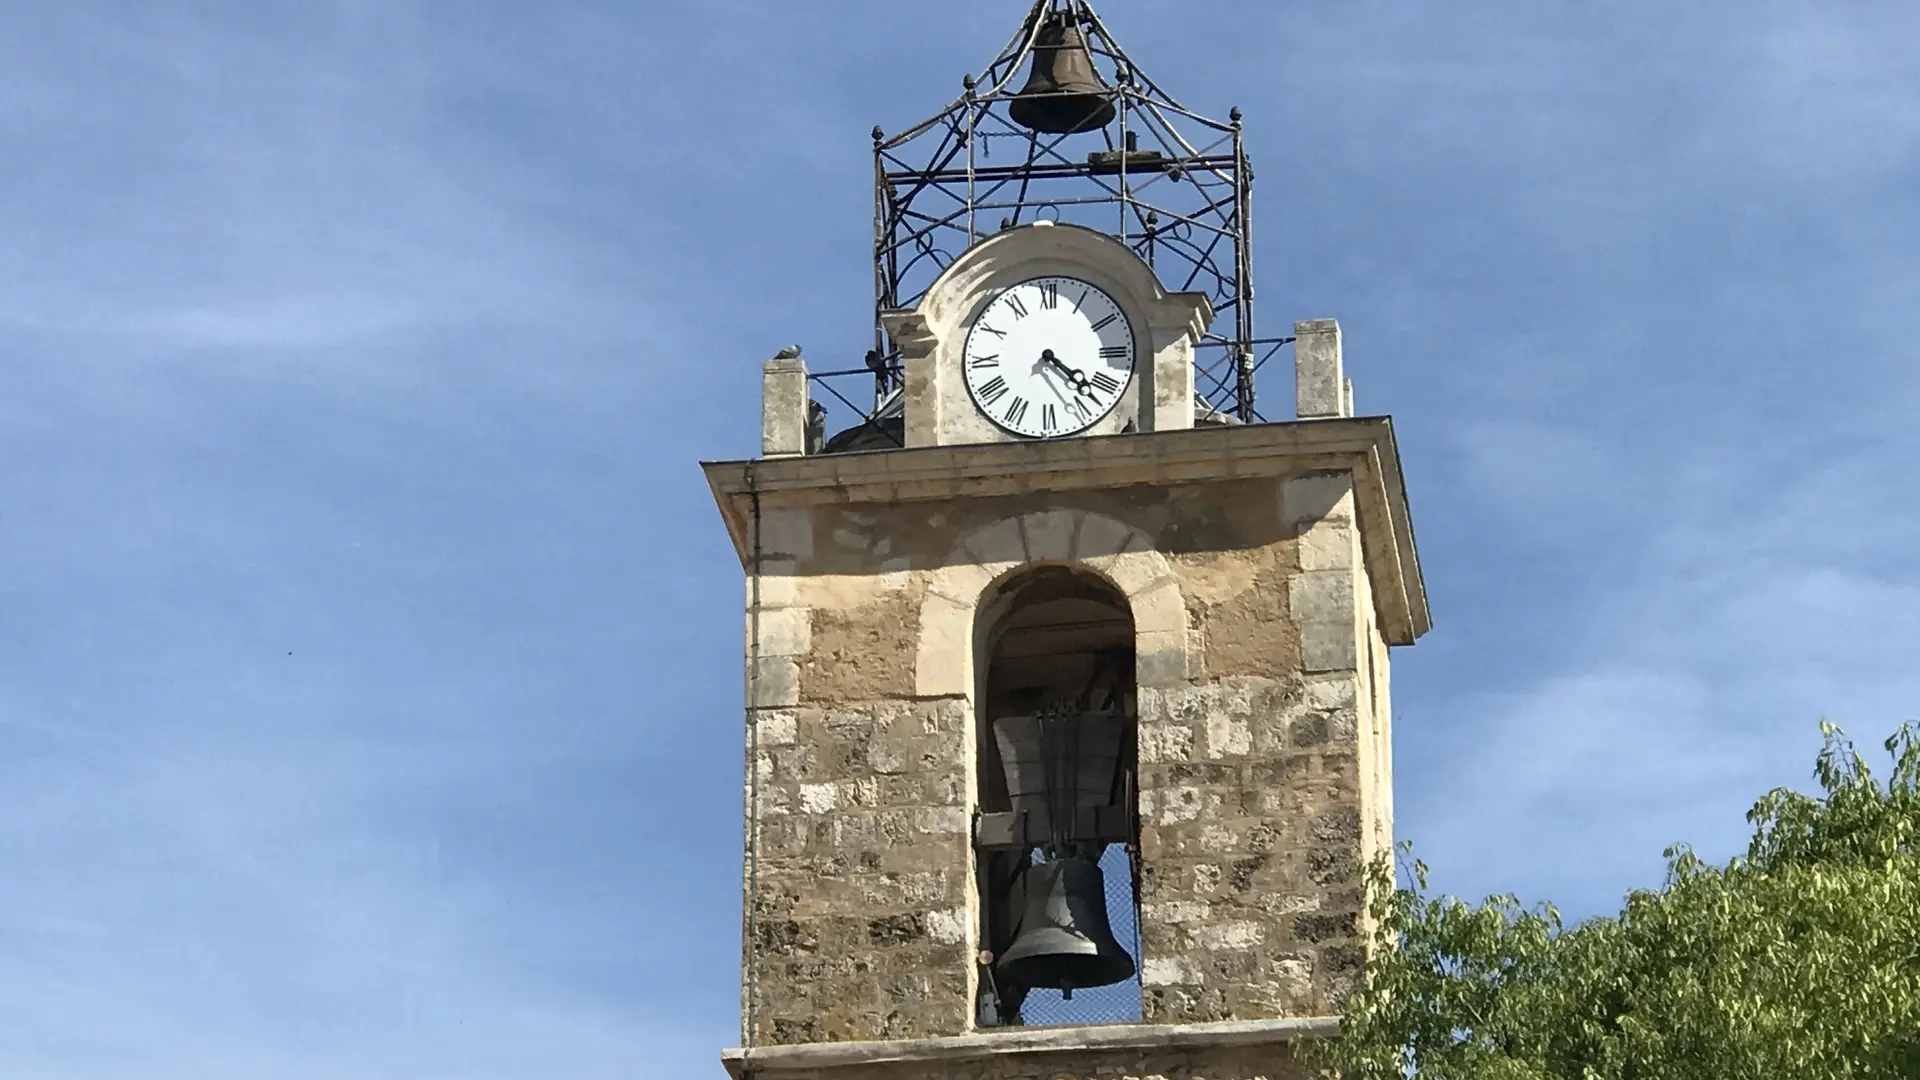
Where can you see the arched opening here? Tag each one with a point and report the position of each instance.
(1057, 847)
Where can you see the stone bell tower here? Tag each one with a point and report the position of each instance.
(1066, 669)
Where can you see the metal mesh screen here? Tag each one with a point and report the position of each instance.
(1116, 1004)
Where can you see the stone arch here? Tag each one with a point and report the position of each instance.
(1123, 555)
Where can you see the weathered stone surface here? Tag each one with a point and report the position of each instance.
(856, 890)
(1259, 828)
(1210, 1051)
(1320, 387)
(1261, 760)
(783, 407)
(861, 654)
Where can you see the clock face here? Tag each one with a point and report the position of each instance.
(1049, 357)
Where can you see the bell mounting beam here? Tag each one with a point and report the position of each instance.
(1063, 125)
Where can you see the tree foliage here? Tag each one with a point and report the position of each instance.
(1799, 959)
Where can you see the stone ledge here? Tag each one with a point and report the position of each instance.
(1364, 446)
(935, 472)
(1052, 1040)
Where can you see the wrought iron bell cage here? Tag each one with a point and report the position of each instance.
(1184, 204)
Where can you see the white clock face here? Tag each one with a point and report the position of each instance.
(1049, 357)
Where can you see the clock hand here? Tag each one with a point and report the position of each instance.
(1074, 375)
(1061, 393)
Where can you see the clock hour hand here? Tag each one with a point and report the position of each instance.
(1074, 375)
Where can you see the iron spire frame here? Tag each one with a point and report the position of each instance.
(1185, 205)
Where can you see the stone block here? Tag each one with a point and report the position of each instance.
(783, 407)
(864, 791)
(1101, 536)
(796, 763)
(1324, 647)
(1310, 498)
(1323, 596)
(1000, 542)
(1165, 742)
(1330, 546)
(773, 801)
(923, 399)
(777, 584)
(1206, 878)
(775, 727)
(941, 820)
(1176, 912)
(1171, 392)
(786, 533)
(1134, 572)
(1049, 535)
(1157, 606)
(1161, 658)
(783, 631)
(1164, 971)
(963, 582)
(819, 798)
(943, 664)
(1330, 692)
(951, 926)
(1228, 735)
(774, 683)
(1172, 805)
(1319, 384)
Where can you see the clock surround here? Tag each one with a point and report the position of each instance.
(939, 407)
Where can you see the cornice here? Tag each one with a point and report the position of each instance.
(1364, 446)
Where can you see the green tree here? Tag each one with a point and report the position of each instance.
(1800, 959)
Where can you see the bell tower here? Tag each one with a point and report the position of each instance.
(1067, 725)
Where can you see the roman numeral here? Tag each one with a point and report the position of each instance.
(1104, 323)
(982, 362)
(1019, 309)
(992, 390)
(1104, 382)
(985, 329)
(1047, 421)
(1017, 411)
(1084, 293)
(1114, 352)
(1050, 295)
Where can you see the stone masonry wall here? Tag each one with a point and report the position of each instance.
(1259, 798)
(1250, 832)
(859, 923)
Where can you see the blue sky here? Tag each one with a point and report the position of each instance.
(369, 693)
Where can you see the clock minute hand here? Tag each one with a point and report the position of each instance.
(1074, 375)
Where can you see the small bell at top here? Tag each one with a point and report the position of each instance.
(1063, 93)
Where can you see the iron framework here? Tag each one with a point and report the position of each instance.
(1183, 204)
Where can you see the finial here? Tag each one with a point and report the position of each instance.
(1234, 114)
(967, 81)
(878, 135)
(791, 352)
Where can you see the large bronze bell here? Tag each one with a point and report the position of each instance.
(1063, 94)
(1063, 941)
